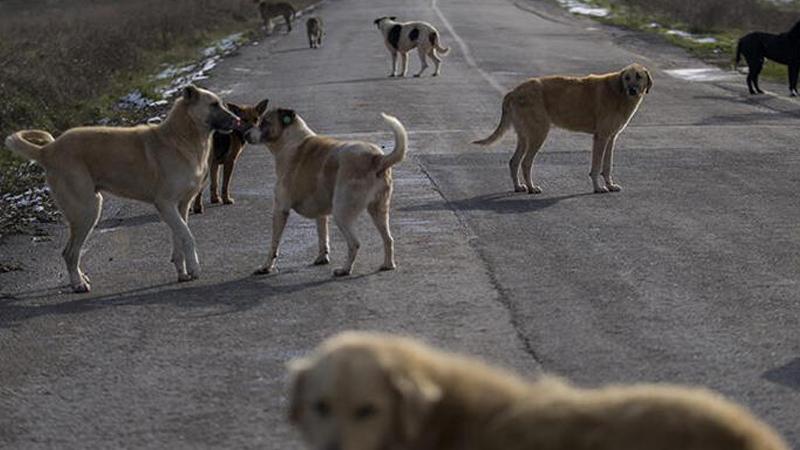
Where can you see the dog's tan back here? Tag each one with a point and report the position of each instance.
(364, 391)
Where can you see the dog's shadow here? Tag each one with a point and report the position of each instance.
(229, 297)
(362, 80)
(290, 50)
(500, 203)
(787, 375)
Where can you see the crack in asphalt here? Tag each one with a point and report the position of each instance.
(503, 295)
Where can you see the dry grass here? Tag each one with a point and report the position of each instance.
(711, 16)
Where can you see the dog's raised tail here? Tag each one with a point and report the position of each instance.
(502, 127)
(400, 143)
(434, 37)
(29, 143)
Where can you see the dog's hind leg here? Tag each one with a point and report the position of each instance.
(598, 149)
(533, 145)
(185, 257)
(752, 76)
(514, 162)
(379, 212)
(422, 60)
(347, 204)
(608, 161)
(227, 174)
(81, 221)
(213, 174)
(324, 245)
(437, 61)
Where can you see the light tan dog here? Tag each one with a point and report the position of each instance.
(601, 105)
(364, 391)
(319, 176)
(161, 164)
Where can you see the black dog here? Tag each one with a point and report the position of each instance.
(782, 48)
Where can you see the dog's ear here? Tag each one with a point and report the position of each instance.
(378, 20)
(392, 18)
(417, 396)
(298, 369)
(235, 109)
(286, 116)
(191, 93)
(262, 106)
(649, 81)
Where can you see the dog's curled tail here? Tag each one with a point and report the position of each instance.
(29, 143)
(502, 127)
(435, 42)
(400, 143)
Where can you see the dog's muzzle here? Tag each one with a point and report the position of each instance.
(633, 92)
(226, 125)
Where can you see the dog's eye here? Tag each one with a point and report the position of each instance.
(627, 78)
(365, 412)
(638, 76)
(322, 408)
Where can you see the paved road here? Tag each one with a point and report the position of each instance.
(689, 275)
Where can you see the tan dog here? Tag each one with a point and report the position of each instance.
(319, 176)
(315, 31)
(225, 151)
(161, 164)
(364, 391)
(601, 105)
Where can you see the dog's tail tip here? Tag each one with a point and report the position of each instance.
(28, 143)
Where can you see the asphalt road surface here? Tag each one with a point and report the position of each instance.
(688, 275)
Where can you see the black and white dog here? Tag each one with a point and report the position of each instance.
(782, 48)
(401, 37)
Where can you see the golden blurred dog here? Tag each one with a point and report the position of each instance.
(601, 105)
(364, 391)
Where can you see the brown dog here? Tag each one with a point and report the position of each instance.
(159, 164)
(364, 391)
(319, 177)
(225, 150)
(601, 105)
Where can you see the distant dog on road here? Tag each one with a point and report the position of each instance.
(319, 176)
(601, 105)
(161, 164)
(367, 391)
(315, 31)
(225, 150)
(402, 37)
(270, 9)
(782, 48)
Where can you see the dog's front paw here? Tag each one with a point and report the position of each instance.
(185, 277)
(198, 209)
(82, 288)
(601, 190)
(322, 260)
(227, 201)
(266, 270)
(534, 189)
(214, 199)
(387, 267)
(613, 187)
(341, 272)
(520, 188)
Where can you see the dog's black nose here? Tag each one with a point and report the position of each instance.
(632, 91)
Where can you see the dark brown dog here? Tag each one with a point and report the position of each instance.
(225, 150)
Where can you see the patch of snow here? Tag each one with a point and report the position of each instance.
(704, 74)
(692, 37)
(584, 9)
(180, 76)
